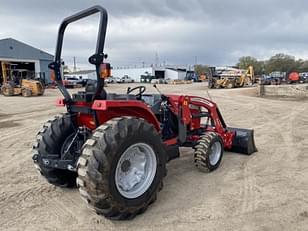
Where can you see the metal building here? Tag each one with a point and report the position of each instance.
(16, 56)
(165, 72)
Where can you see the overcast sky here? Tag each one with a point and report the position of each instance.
(215, 32)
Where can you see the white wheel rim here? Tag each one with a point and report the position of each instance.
(135, 170)
(215, 153)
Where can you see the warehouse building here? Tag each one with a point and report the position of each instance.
(164, 72)
(17, 57)
(170, 73)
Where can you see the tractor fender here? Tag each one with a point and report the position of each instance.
(108, 109)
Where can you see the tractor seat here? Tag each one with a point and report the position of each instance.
(88, 94)
(91, 86)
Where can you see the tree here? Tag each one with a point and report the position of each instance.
(246, 61)
(201, 69)
(303, 65)
(282, 63)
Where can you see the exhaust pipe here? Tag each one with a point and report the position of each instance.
(243, 141)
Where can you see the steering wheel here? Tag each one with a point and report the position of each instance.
(141, 89)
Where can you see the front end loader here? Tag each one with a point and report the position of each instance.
(16, 84)
(232, 78)
(115, 147)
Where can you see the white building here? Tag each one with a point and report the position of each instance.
(170, 73)
(86, 74)
(166, 72)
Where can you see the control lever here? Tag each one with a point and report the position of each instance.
(157, 89)
(163, 97)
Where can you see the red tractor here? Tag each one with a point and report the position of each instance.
(115, 147)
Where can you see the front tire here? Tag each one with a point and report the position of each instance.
(208, 152)
(122, 168)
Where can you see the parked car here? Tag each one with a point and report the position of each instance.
(70, 82)
(146, 78)
(269, 80)
(125, 79)
(113, 79)
(303, 77)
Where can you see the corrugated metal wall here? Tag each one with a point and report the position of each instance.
(45, 70)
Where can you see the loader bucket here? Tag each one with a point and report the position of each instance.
(243, 141)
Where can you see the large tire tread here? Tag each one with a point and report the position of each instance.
(47, 142)
(201, 155)
(94, 167)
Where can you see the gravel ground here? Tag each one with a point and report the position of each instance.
(264, 191)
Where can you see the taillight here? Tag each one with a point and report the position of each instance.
(105, 70)
(52, 75)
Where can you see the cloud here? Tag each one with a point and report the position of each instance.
(216, 32)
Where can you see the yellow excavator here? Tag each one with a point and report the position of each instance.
(231, 77)
(15, 83)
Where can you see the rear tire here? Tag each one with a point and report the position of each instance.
(230, 85)
(7, 90)
(98, 180)
(208, 152)
(26, 92)
(50, 140)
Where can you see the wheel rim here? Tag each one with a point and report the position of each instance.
(215, 153)
(135, 170)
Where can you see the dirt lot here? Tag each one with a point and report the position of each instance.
(265, 191)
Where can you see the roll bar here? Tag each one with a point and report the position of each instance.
(96, 59)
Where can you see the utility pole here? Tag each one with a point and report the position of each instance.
(156, 59)
(75, 67)
(196, 60)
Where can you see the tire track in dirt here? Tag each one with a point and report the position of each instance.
(14, 201)
(61, 213)
(248, 191)
(249, 187)
(283, 125)
(27, 118)
(17, 132)
(32, 191)
(15, 161)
